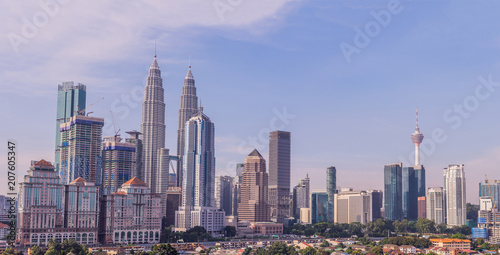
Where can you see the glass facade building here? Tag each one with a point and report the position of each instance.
(70, 98)
(319, 207)
(393, 195)
(410, 198)
(331, 186)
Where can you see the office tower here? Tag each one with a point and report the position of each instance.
(224, 194)
(153, 125)
(393, 208)
(81, 146)
(136, 140)
(50, 210)
(454, 189)
(237, 180)
(331, 187)
(81, 210)
(422, 207)
(118, 163)
(131, 215)
(409, 193)
(353, 206)
(163, 176)
(173, 201)
(319, 207)
(240, 167)
(198, 185)
(172, 180)
(435, 205)
(70, 99)
(188, 107)
(420, 180)
(305, 215)
(377, 203)
(254, 206)
(279, 175)
(4, 208)
(490, 189)
(301, 196)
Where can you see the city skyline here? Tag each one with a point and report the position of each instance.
(272, 55)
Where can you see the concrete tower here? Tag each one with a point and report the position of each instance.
(417, 138)
(189, 106)
(279, 175)
(153, 125)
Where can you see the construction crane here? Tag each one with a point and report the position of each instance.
(114, 127)
(81, 112)
(493, 200)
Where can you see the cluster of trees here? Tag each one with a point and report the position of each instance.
(378, 228)
(55, 248)
(196, 234)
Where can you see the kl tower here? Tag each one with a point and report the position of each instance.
(417, 138)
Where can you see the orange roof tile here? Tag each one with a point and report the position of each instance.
(450, 240)
(43, 162)
(120, 193)
(3, 225)
(135, 181)
(78, 180)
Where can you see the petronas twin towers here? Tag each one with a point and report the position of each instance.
(153, 127)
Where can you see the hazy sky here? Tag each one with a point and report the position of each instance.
(344, 77)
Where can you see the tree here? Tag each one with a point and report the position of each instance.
(12, 251)
(280, 248)
(247, 251)
(164, 249)
(35, 250)
(325, 243)
(425, 225)
(230, 231)
(309, 251)
(472, 211)
(459, 236)
(400, 226)
(442, 227)
(377, 250)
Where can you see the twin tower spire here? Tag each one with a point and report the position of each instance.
(153, 127)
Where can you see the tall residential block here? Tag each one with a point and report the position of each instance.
(137, 141)
(393, 195)
(188, 107)
(279, 175)
(118, 163)
(410, 198)
(50, 210)
(224, 194)
(81, 145)
(254, 206)
(319, 207)
(301, 196)
(132, 214)
(331, 187)
(422, 207)
(435, 205)
(153, 125)
(353, 206)
(455, 195)
(198, 185)
(71, 98)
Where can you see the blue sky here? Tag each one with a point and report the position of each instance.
(255, 60)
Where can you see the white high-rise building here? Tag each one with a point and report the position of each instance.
(455, 195)
(153, 127)
(435, 204)
(353, 206)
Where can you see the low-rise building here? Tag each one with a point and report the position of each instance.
(451, 243)
(267, 228)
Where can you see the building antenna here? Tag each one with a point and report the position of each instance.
(155, 48)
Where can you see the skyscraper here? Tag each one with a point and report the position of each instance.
(301, 197)
(136, 140)
(279, 175)
(319, 207)
(81, 144)
(393, 208)
(188, 107)
(377, 203)
(490, 189)
(331, 187)
(118, 163)
(254, 206)
(237, 180)
(70, 98)
(198, 185)
(173, 201)
(409, 193)
(435, 205)
(224, 194)
(353, 206)
(454, 189)
(153, 125)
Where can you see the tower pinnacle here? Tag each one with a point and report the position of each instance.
(417, 138)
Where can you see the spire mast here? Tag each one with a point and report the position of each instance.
(155, 48)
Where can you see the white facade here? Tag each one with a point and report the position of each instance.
(353, 206)
(454, 188)
(435, 204)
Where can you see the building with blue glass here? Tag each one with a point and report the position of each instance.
(409, 193)
(331, 186)
(319, 207)
(393, 195)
